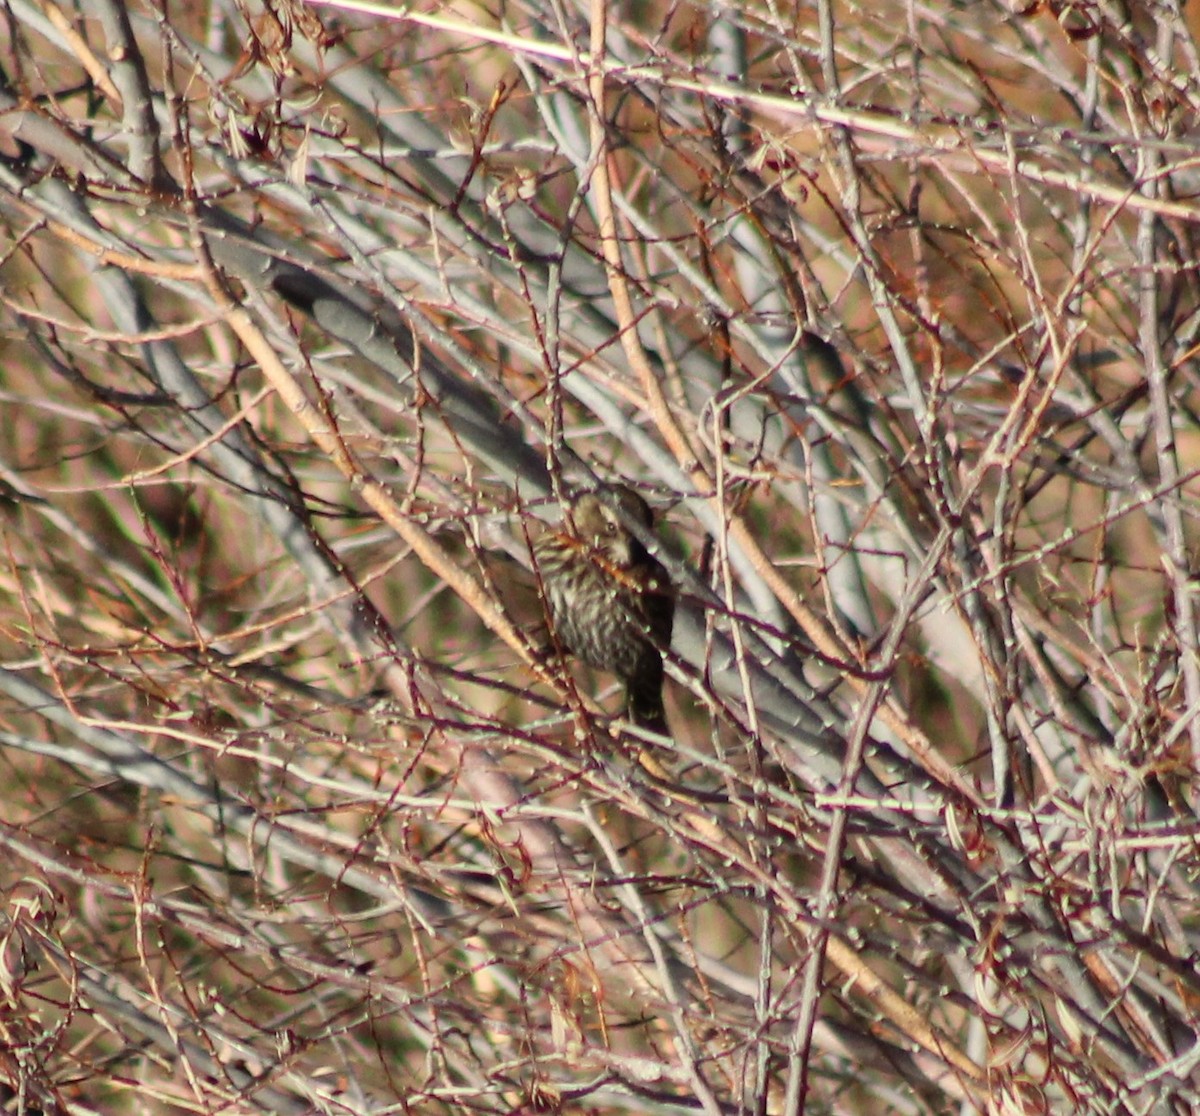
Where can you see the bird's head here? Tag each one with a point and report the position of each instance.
(596, 518)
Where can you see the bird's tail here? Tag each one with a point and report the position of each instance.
(643, 696)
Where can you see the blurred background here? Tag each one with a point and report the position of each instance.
(312, 317)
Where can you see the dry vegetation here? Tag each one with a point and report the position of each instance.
(312, 314)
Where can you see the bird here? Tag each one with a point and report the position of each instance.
(610, 602)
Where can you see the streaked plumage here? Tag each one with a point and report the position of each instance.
(610, 602)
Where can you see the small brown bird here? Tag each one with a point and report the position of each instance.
(610, 601)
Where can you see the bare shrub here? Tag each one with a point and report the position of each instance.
(313, 318)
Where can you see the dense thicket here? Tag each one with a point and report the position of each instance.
(313, 317)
